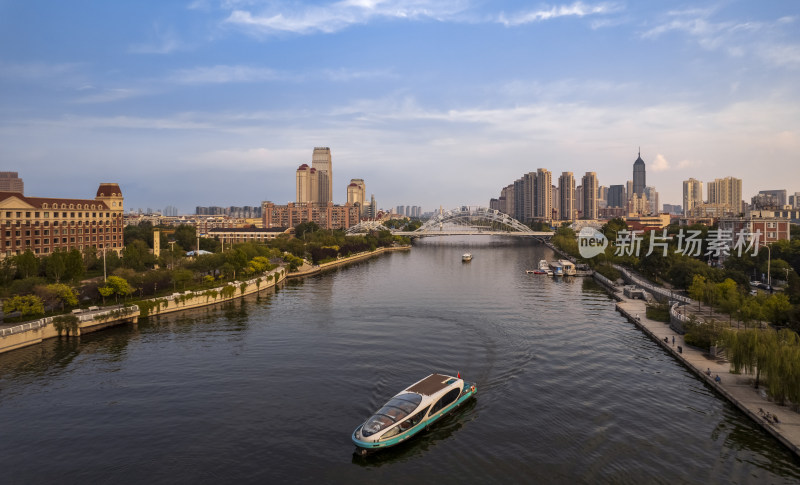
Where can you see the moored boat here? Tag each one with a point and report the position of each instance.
(466, 257)
(412, 410)
(544, 267)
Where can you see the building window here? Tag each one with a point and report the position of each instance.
(36, 214)
(46, 250)
(27, 214)
(47, 241)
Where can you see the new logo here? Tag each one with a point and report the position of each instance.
(591, 242)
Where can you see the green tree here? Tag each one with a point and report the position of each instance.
(74, 268)
(27, 305)
(27, 264)
(55, 265)
(304, 228)
(182, 276)
(119, 287)
(186, 236)
(137, 255)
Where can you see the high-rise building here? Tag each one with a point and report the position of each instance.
(566, 192)
(543, 195)
(321, 161)
(579, 201)
(639, 179)
(307, 184)
(628, 189)
(692, 194)
(794, 200)
(519, 200)
(529, 200)
(555, 203)
(780, 196)
(507, 200)
(616, 196)
(10, 182)
(652, 199)
(726, 193)
(590, 185)
(357, 194)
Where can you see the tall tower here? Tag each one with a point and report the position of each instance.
(692, 195)
(321, 161)
(357, 194)
(566, 189)
(639, 182)
(590, 195)
(307, 184)
(543, 208)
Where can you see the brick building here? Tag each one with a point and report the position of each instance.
(327, 216)
(44, 225)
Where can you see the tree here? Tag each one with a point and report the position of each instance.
(27, 305)
(27, 264)
(74, 269)
(182, 276)
(56, 265)
(697, 291)
(186, 236)
(304, 228)
(137, 255)
(728, 296)
(118, 286)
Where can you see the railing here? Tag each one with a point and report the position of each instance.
(604, 280)
(673, 312)
(635, 279)
(36, 324)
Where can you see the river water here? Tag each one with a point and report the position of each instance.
(269, 388)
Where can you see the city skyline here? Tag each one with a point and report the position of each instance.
(207, 102)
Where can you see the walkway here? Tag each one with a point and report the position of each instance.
(738, 389)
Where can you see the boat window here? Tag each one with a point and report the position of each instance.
(395, 410)
(446, 400)
(392, 432)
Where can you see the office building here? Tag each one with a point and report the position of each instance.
(652, 199)
(357, 193)
(322, 162)
(639, 178)
(616, 196)
(10, 182)
(780, 196)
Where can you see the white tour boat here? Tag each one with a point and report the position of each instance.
(412, 410)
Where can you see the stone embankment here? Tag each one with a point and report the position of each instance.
(95, 318)
(308, 270)
(779, 421)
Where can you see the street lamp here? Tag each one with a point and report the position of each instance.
(769, 259)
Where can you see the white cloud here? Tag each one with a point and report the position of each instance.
(337, 16)
(763, 40)
(106, 95)
(577, 9)
(659, 164)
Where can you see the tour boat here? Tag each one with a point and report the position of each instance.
(412, 410)
(466, 257)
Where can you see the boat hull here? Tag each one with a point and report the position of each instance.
(365, 447)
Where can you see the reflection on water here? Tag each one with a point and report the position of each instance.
(270, 388)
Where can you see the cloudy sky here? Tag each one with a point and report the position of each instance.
(431, 102)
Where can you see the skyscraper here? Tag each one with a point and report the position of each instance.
(616, 196)
(543, 206)
(10, 182)
(321, 161)
(590, 186)
(692, 194)
(357, 194)
(652, 199)
(307, 184)
(639, 182)
(566, 189)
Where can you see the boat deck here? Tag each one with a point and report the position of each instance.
(431, 384)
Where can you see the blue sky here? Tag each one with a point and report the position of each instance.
(432, 103)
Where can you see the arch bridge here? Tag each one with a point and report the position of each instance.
(467, 221)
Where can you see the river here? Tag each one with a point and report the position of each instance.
(269, 388)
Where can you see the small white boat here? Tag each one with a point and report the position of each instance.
(411, 411)
(544, 267)
(466, 257)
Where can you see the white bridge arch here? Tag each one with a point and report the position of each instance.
(463, 221)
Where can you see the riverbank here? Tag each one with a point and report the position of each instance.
(308, 270)
(736, 388)
(32, 333)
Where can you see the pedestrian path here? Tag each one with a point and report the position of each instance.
(737, 388)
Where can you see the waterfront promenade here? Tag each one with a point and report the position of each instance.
(737, 388)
